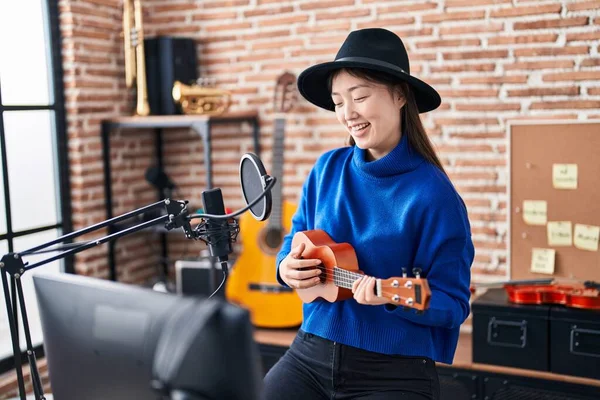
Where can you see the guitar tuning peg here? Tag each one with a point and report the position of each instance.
(404, 274)
(417, 272)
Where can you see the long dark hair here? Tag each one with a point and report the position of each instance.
(411, 121)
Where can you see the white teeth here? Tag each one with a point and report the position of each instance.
(359, 127)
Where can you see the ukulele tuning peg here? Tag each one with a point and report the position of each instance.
(417, 272)
(404, 274)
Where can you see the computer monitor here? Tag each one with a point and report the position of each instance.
(108, 340)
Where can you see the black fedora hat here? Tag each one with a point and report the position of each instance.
(373, 49)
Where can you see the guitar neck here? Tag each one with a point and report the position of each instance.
(344, 279)
(276, 213)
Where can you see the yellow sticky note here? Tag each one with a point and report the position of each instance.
(542, 260)
(564, 176)
(535, 212)
(559, 233)
(586, 237)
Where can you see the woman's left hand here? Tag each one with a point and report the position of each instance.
(364, 292)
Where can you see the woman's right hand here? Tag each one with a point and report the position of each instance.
(296, 272)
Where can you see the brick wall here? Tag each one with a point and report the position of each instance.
(491, 60)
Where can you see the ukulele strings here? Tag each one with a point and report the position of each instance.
(341, 276)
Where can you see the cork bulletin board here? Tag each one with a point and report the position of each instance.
(554, 199)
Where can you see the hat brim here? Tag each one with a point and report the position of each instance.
(312, 84)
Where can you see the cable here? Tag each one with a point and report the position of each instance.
(271, 182)
(224, 268)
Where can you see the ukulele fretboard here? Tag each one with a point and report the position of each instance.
(343, 278)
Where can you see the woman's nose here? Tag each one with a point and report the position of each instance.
(349, 112)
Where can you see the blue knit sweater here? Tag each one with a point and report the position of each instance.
(397, 212)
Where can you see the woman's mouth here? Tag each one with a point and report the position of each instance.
(360, 129)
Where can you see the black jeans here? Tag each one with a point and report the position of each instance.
(316, 368)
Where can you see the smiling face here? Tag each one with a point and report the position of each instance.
(369, 111)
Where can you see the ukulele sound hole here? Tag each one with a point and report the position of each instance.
(273, 238)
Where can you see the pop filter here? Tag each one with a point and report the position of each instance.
(253, 177)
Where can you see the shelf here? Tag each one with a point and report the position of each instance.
(175, 121)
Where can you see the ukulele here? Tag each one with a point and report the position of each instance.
(339, 270)
(253, 283)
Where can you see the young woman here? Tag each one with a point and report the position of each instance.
(390, 198)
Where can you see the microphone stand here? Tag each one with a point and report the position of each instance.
(12, 264)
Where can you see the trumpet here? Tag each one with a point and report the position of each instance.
(198, 99)
(135, 65)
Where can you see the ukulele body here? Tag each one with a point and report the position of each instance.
(319, 245)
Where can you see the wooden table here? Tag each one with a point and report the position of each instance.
(462, 359)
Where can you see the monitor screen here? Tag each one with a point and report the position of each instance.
(109, 340)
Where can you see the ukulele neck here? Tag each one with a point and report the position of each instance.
(343, 278)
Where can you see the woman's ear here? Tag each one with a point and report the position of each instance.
(399, 96)
(401, 101)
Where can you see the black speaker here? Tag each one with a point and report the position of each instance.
(168, 59)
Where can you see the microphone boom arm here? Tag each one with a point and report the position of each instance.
(12, 264)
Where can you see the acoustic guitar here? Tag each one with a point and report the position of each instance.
(339, 270)
(252, 283)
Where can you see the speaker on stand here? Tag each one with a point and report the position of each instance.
(168, 59)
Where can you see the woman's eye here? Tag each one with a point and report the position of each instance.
(360, 98)
(338, 104)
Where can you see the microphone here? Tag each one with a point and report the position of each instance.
(217, 231)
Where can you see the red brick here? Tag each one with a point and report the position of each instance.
(315, 5)
(552, 51)
(283, 20)
(447, 68)
(404, 8)
(580, 36)
(552, 23)
(468, 93)
(326, 15)
(572, 76)
(473, 55)
(387, 23)
(527, 10)
(488, 107)
(594, 91)
(523, 39)
(207, 16)
(453, 16)
(474, 3)
(448, 43)
(261, 12)
(558, 105)
(329, 26)
(494, 80)
(535, 65)
(223, 3)
(586, 5)
(486, 27)
(543, 91)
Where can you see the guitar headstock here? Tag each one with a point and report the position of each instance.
(285, 93)
(405, 292)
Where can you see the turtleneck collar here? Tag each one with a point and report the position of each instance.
(403, 158)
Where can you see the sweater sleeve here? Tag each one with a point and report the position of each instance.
(445, 253)
(298, 224)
